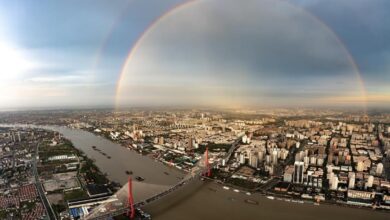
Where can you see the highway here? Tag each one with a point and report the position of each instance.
(46, 203)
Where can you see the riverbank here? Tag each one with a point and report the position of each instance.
(172, 159)
(208, 200)
(155, 173)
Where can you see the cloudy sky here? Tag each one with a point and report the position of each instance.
(208, 52)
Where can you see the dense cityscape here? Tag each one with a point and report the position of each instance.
(290, 155)
(195, 110)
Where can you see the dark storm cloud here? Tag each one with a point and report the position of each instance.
(267, 39)
(364, 26)
(254, 51)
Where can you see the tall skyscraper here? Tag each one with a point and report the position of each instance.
(298, 172)
(274, 157)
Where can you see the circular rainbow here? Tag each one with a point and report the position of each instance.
(361, 85)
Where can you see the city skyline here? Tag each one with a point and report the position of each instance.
(153, 53)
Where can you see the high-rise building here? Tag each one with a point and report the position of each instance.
(267, 159)
(242, 159)
(370, 182)
(19, 139)
(270, 169)
(297, 157)
(351, 181)
(320, 161)
(330, 177)
(330, 157)
(298, 172)
(191, 144)
(334, 183)
(253, 160)
(260, 155)
(360, 166)
(306, 161)
(313, 160)
(310, 178)
(329, 168)
(161, 140)
(275, 157)
(244, 139)
(288, 174)
(302, 154)
(379, 169)
(283, 154)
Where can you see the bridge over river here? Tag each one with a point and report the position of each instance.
(119, 203)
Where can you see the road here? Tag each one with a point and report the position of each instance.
(39, 186)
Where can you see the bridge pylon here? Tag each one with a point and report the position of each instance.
(208, 170)
(131, 213)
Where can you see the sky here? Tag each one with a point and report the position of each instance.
(224, 53)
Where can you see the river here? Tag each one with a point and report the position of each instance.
(122, 160)
(208, 200)
(199, 200)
